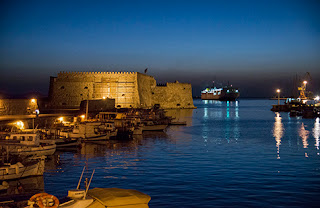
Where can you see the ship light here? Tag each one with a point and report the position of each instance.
(237, 90)
(33, 100)
(228, 90)
(317, 98)
(60, 119)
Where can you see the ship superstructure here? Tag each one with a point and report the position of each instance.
(227, 93)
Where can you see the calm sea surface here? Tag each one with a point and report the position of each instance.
(231, 154)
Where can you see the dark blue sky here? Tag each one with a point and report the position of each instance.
(256, 45)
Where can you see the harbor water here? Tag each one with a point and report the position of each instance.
(230, 154)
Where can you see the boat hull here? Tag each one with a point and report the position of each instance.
(35, 151)
(154, 127)
(211, 96)
(18, 170)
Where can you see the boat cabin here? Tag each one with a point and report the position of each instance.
(24, 138)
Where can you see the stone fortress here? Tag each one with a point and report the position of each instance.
(128, 89)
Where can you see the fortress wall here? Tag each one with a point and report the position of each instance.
(129, 89)
(70, 88)
(174, 95)
(17, 106)
(146, 85)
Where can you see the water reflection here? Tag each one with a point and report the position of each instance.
(316, 132)
(117, 147)
(304, 134)
(237, 109)
(278, 131)
(221, 117)
(111, 148)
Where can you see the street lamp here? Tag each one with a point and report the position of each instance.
(305, 88)
(278, 91)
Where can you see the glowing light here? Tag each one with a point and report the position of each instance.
(103, 97)
(278, 90)
(82, 117)
(60, 119)
(305, 82)
(19, 124)
(317, 98)
(33, 100)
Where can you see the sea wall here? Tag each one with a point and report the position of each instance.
(17, 106)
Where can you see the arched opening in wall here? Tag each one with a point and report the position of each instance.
(80, 94)
(189, 103)
(118, 106)
(153, 93)
(62, 87)
(85, 88)
(130, 106)
(178, 104)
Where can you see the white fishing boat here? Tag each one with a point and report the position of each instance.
(26, 144)
(150, 126)
(94, 198)
(93, 131)
(18, 170)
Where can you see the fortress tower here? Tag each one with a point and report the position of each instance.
(129, 89)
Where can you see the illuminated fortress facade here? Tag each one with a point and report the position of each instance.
(129, 89)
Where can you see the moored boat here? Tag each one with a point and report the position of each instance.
(18, 170)
(93, 131)
(26, 144)
(154, 127)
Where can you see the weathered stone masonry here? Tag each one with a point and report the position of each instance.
(129, 89)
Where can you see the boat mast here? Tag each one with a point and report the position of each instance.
(81, 177)
(85, 194)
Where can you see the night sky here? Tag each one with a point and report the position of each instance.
(256, 45)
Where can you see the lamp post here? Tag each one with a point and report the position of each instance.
(278, 91)
(305, 88)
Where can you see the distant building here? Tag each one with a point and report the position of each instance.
(128, 89)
